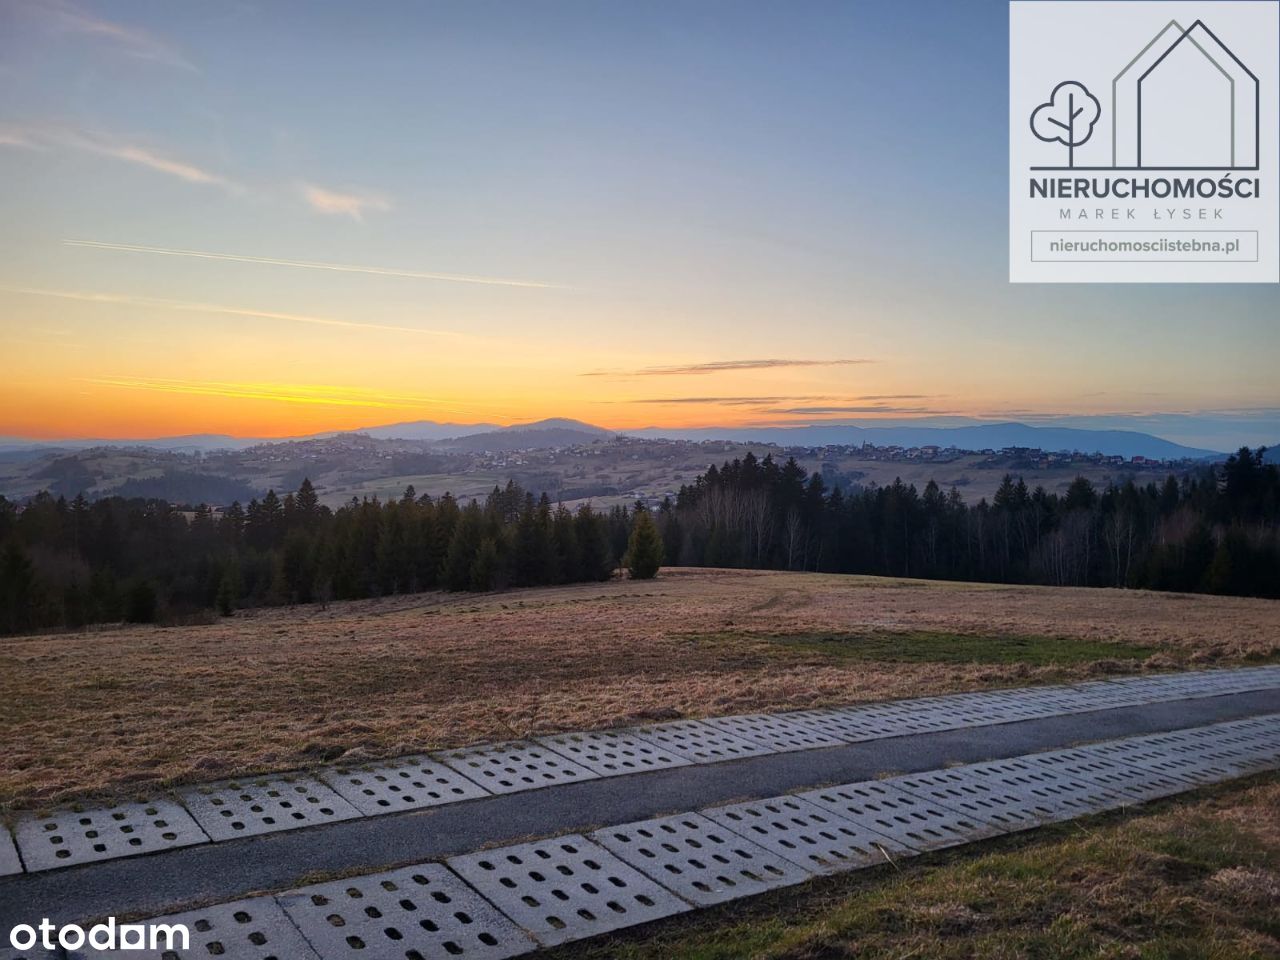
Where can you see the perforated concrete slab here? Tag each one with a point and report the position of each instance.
(423, 911)
(410, 783)
(808, 835)
(1087, 764)
(778, 733)
(700, 742)
(1138, 783)
(254, 929)
(1241, 758)
(1046, 787)
(245, 808)
(1264, 728)
(611, 753)
(565, 889)
(909, 716)
(850, 725)
(968, 711)
(9, 862)
(1233, 752)
(515, 765)
(1169, 755)
(1246, 745)
(699, 859)
(994, 710)
(975, 799)
(1104, 694)
(67, 837)
(899, 816)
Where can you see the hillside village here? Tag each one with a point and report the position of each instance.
(605, 469)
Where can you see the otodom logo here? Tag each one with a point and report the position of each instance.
(1143, 150)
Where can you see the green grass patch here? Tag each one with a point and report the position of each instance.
(921, 646)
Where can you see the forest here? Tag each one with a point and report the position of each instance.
(1215, 531)
(68, 563)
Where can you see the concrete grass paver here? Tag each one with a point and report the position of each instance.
(514, 766)
(64, 838)
(894, 814)
(9, 860)
(410, 783)
(252, 929)
(701, 742)
(565, 889)
(698, 858)
(252, 806)
(1138, 783)
(976, 799)
(810, 836)
(778, 732)
(612, 753)
(423, 911)
(1048, 791)
(1239, 734)
(1166, 756)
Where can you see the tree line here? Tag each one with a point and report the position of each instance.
(1214, 531)
(71, 563)
(68, 563)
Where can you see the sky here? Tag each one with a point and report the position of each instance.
(274, 219)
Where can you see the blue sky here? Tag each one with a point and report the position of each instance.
(673, 184)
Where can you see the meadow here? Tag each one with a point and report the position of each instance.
(123, 710)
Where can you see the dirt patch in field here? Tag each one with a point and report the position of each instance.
(120, 710)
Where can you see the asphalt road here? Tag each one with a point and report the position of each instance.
(168, 881)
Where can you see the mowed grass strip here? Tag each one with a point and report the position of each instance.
(932, 646)
(1192, 878)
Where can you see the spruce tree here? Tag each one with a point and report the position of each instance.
(644, 549)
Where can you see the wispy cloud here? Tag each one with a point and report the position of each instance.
(312, 265)
(321, 395)
(852, 408)
(762, 401)
(13, 137)
(115, 148)
(897, 396)
(227, 311)
(353, 205)
(720, 401)
(131, 41)
(720, 366)
(154, 161)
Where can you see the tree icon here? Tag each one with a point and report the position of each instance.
(1067, 118)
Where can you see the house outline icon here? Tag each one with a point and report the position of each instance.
(1133, 88)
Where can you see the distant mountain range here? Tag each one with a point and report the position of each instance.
(557, 432)
(993, 436)
(192, 443)
(428, 430)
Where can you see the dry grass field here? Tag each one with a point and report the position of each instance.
(118, 710)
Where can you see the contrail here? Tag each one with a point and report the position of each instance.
(313, 265)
